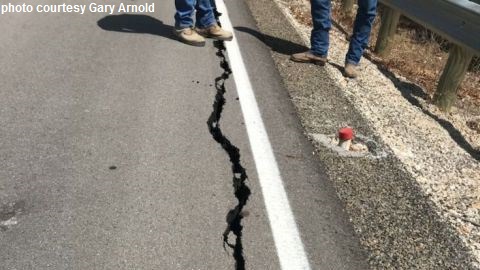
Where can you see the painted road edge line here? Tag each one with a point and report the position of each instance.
(290, 249)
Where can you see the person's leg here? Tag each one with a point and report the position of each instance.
(361, 30)
(184, 15)
(319, 38)
(184, 23)
(207, 25)
(214, 8)
(204, 15)
(213, 4)
(321, 27)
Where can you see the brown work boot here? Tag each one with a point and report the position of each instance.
(308, 57)
(215, 32)
(190, 37)
(351, 70)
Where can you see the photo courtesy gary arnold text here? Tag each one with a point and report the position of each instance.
(77, 8)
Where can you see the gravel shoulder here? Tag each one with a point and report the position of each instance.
(415, 202)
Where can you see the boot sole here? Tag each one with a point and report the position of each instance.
(217, 38)
(350, 76)
(221, 38)
(310, 61)
(192, 43)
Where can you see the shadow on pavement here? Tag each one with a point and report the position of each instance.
(140, 24)
(276, 44)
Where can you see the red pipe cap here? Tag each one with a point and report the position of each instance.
(345, 134)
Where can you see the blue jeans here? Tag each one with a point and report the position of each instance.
(213, 4)
(187, 8)
(215, 11)
(361, 30)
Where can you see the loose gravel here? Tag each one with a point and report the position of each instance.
(439, 152)
(417, 136)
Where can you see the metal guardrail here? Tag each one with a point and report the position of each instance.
(456, 20)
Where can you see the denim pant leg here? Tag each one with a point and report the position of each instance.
(366, 12)
(205, 16)
(215, 11)
(321, 26)
(213, 5)
(184, 14)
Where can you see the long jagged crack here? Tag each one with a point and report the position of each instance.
(241, 190)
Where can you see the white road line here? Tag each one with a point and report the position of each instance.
(290, 250)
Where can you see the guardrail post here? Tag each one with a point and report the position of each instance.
(386, 35)
(347, 7)
(452, 76)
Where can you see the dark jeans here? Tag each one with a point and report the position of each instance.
(361, 30)
(215, 11)
(187, 8)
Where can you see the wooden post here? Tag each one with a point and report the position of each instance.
(452, 76)
(386, 35)
(347, 7)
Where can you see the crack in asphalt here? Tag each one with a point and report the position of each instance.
(241, 190)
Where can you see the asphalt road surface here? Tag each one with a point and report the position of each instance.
(108, 162)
